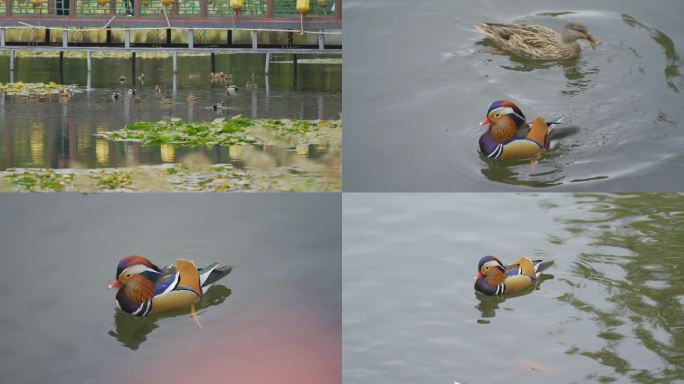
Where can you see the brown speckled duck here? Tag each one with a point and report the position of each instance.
(536, 41)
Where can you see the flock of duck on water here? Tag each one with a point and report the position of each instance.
(225, 79)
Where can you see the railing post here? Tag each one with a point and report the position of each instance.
(2, 37)
(254, 40)
(191, 39)
(127, 38)
(11, 61)
(267, 69)
(321, 41)
(65, 38)
(89, 62)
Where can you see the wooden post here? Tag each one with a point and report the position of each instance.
(230, 37)
(254, 40)
(109, 36)
(191, 39)
(213, 62)
(175, 61)
(47, 36)
(127, 38)
(133, 69)
(168, 37)
(89, 61)
(267, 70)
(65, 38)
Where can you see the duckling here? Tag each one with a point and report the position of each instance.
(227, 78)
(141, 79)
(232, 89)
(157, 90)
(31, 96)
(192, 98)
(167, 101)
(536, 41)
(132, 91)
(64, 93)
(115, 95)
(212, 78)
(217, 106)
(122, 80)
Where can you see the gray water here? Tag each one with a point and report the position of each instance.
(59, 134)
(610, 309)
(274, 318)
(419, 79)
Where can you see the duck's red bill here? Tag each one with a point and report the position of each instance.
(478, 275)
(114, 284)
(485, 121)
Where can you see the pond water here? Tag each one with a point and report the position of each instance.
(412, 111)
(61, 134)
(610, 309)
(274, 318)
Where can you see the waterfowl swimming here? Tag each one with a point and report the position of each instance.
(167, 101)
(115, 95)
(536, 41)
(141, 79)
(132, 91)
(157, 90)
(65, 93)
(494, 278)
(122, 79)
(217, 106)
(509, 136)
(192, 98)
(231, 89)
(144, 288)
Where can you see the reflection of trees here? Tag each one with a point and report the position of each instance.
(644, 303)
(131, 331)
(672, 58)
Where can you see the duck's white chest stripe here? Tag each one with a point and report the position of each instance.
(500, 289)
(496, 152)
(143, 309)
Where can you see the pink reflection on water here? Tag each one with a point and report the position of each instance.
(284, 344)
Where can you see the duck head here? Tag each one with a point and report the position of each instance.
(491, 268)
(503, 120)
(135, 277)
(577, 31)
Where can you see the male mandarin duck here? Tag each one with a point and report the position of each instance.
(147, 289)
(536, 41)
(493, 278)
(508, 136)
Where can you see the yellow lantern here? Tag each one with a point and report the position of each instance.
(303, 6)
(236, 5)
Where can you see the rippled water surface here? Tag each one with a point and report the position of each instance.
(610, 309)
(61, 134)
(274, 318)
(416, 95)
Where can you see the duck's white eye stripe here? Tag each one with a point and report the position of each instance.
(139, 268)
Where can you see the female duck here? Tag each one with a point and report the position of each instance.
(536, 41)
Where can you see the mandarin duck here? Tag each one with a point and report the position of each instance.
(508, 136)
(493, 278)
(536, 41)
(147, 289)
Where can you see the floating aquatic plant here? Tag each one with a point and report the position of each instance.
(40, 180)
(237, 130)
(25, 89)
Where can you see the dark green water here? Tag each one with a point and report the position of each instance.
(415, 96)
(60, 134)
(610, 309)
(274, 318)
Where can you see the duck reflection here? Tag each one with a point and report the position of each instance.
(131, 331)
(487, 305)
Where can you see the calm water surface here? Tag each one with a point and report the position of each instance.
(61, 134)
(416, 95)
(275, 318)
(611, 309)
